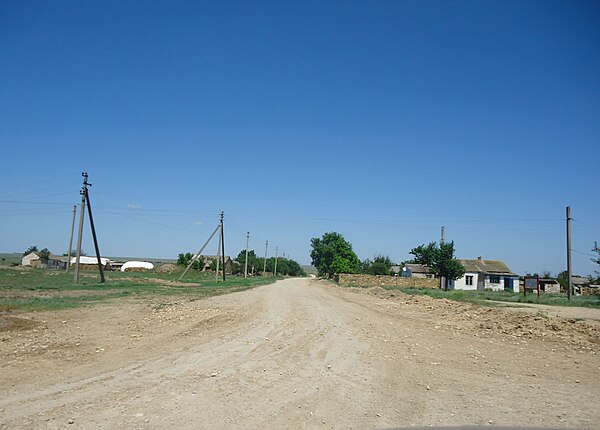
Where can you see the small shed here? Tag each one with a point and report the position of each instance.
(549, 285)
(412, 270)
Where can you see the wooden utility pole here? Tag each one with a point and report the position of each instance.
(71, 238)
(246, 263)
(218, 255)
(223, 245)
(569, 287)
(85, 198)
(79, 237)
(443, 285)
(89, 207)
(266, 247)
(195, 257)
(276, 252)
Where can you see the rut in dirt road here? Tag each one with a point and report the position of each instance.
(304, 353)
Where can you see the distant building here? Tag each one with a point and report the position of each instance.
(33, 259)
(91, 262)
(412, 270)
(486, 275)
(549, 285)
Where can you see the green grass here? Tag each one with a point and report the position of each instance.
(41, 289)
(488, 297)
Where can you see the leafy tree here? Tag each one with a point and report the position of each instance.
(184, 260)
(44, 254)
(252, 260)
(366, 266)
(382, 265)
(31, 249)
(425, 254)
(332, 254)
(440, 259)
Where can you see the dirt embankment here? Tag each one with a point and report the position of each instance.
(298, 353)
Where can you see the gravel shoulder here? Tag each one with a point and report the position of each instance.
(297, 353)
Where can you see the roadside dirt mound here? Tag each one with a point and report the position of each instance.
(506, 322)
(167, 268)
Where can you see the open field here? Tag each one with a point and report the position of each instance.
(25, 288)
(296, 353)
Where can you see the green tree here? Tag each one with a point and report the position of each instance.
(184, 260)
(44, 254)
(252, 260)
(425, 254)
(382, 265)
(440, 260)
(31, 249)
(332, 254)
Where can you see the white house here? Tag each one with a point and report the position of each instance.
(486, 275)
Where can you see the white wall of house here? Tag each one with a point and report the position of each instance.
(29, 258)
(483, 281)
(461, 283)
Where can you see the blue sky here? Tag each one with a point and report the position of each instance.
(380, 120)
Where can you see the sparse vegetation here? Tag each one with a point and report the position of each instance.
(488, 297)
(39, 289)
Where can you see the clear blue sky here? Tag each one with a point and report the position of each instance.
(380, 120)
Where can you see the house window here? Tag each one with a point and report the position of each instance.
(494, 279)
(469, 280)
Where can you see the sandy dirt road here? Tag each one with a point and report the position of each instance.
(300, 353)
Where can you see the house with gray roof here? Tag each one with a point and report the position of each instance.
(483, 274)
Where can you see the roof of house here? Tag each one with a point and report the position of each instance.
(50, 256)
(417, 268)
(491, 267)
(579, 280)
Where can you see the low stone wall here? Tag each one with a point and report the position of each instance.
(385, 281)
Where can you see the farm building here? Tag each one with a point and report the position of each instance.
(411, 270)
(135, 266)
(86, 262)
(33, 259)
(486, 275)
(549, 285)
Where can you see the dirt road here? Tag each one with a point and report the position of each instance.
(300, 353)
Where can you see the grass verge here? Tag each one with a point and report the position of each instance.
(488, 297)
(40, 289)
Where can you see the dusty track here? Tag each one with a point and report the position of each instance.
(299, 353)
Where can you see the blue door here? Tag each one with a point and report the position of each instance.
(508, 284)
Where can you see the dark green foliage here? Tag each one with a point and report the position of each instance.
(332, 254)
(440, 260)
(381, 265)
(44, 254)
(285, 266)
(425, 254)
(184, 260)
(31, 249)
